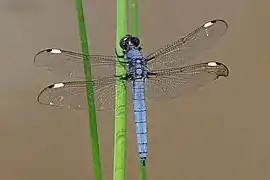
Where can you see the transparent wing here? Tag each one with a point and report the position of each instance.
(176, 82)
(71, 63)
(73, 94)
(184, 50)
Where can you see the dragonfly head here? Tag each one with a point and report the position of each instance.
(129, 40)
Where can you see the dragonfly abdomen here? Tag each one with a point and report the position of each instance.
(140, 118)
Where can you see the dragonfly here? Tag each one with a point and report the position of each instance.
(167, 73)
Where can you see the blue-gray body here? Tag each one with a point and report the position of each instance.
(137, 73)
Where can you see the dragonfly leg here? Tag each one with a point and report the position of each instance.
(123, 77)
(119, 55)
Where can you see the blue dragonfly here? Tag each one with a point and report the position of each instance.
(167, 73)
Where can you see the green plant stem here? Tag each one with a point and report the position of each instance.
(134, 18)
(120, 98)
(90, 94)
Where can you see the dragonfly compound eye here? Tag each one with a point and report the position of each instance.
(124, 41)
(135, 41)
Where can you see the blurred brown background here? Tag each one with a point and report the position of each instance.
(219, 133)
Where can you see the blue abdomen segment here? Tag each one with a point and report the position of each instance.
(140, 118)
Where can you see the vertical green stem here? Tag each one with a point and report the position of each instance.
(142, 171)
(135, 32)
(120, 99)
(90, 94)
(134, 18)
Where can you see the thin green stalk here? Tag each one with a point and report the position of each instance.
(142, 171)
(135, 32)
(90, 94)
(120, 99)
(134, 18)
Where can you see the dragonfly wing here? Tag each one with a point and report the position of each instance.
(176, 82)
(73, 95)
(70, 63)
(184, 50)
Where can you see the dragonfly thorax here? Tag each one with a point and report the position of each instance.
(136, 66)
